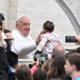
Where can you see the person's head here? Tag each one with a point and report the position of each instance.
(57, 67)
(40, 75)
(48, 26)
(23, 73)
(2, 19)
(72, 62)
(46, 65)
(58, 50)
(23, 25)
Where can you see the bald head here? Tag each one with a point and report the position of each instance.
(58, 50)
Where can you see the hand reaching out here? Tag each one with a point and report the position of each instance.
(2, 42)
(39, 37)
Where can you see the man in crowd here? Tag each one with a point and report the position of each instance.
(3, 57)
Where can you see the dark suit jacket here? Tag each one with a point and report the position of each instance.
(3, 65)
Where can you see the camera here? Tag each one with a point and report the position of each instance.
(70, 39)
(43, 58)
(39, 55)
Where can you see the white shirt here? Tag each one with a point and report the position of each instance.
(20, 42)
(48, 41)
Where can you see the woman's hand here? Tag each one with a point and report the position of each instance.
(78, 38)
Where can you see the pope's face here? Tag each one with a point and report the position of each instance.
(24, 26)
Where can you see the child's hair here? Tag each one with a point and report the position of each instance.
(48, 26)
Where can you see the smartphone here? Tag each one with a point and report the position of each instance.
(70, 39)
(43, 58)
(37, 55)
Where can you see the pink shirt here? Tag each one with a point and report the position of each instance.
(48, 41)
(33, 69)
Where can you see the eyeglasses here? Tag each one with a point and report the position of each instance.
(26, 24)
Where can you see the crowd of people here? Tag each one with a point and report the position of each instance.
(50, 63)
